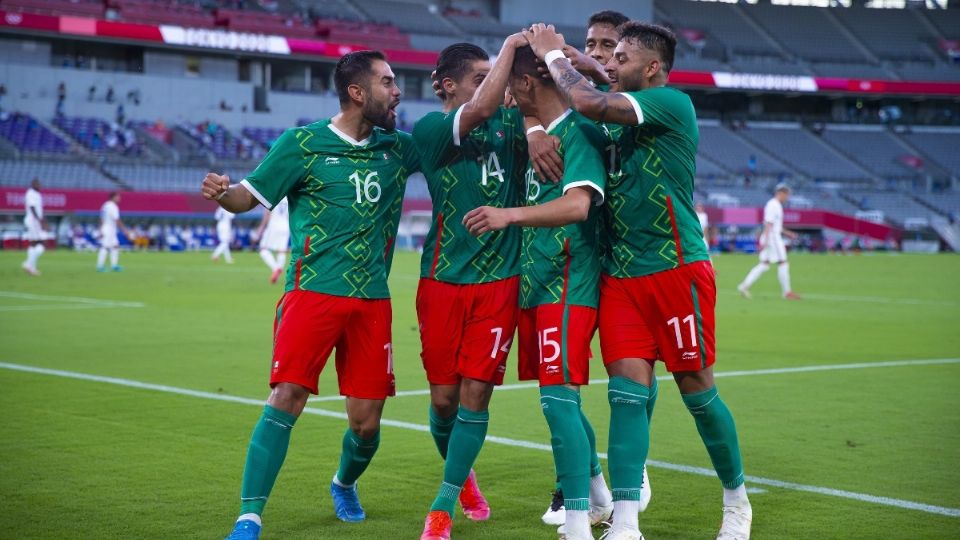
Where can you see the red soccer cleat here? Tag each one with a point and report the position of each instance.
(276, 275)
(475, 506)
(437, 526)
(791, 296)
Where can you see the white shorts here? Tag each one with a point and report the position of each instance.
(774, 252)
(275, 240)
(35, 232)
(108, 239)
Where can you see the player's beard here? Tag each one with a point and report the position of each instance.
(380, 115)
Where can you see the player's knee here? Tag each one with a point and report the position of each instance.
(366, 428)
(444, 404)
(475, 395)
(289, 397)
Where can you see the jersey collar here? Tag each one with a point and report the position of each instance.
(347, 138)
(559, 119)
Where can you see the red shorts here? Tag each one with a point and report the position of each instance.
(555, 343)
(310, 324)
(466, 330)
(665, 316)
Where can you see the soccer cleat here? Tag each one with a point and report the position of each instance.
(475, 506)
(791, 296)
(645, 491)
(744, 292)
(599, 514)
(621, 534)
(30, 270)
(562, 534)
(736, 522)
(245, 529)
(437, 526)
(275, 275)
(346, 503)
(101, 269)
(556, 514)
(117, 268)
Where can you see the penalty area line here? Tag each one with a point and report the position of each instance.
(701, 471)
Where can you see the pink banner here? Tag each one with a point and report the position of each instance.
(59, 201)
(804, 219)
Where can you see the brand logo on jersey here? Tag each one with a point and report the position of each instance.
(331, 160)
(689, 355)
(386, 156)
(500, 134)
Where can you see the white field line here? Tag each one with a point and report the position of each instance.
(853, 298)
(745, 373)
(701, 471)
(73, 300)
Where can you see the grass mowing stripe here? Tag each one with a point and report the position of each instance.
(73, 299)
(744, 373)
(874, 499)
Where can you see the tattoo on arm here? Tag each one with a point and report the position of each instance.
(587, 100)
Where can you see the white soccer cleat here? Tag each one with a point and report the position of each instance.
(562, 534)
(599, 514)
(556, 514)
(621, 534)
(744, 292)
(646, 492)
(736, 522)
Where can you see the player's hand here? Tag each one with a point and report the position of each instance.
(585, 65)
(545, 156)
(508, 101)
(543, 39)
(437, 89)
(214, 185)
(516, 40)
(486, 219)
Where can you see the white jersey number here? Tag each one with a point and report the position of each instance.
(675, 322)
(545, 342)
(497, 346)
(370, 189)
(490, 167)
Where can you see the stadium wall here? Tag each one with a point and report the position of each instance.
(571, 12)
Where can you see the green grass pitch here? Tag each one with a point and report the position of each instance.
(94, 459)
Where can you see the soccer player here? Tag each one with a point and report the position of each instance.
(344, 178)
(704, 223)
(559, 286)
(109, 223)
(473, 154)
(274, 233)
(224, 235)
(772, 250)
(35, 224)
(658, 291)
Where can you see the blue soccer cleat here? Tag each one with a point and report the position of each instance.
(117, 268)
(346, 504)
(245, 529)
(101, 269)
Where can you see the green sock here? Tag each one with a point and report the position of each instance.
(571, 447)
(629, 437)
(265, 455)
(595, 468)
(654, 392)
(441, 428)
(464, 447)
(719, 434)
(356, 456)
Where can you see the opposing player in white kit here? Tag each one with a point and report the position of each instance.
(224, 235)
(704, 223)
(109, 223)
(274, 234)
(36, 225)
(772, 249)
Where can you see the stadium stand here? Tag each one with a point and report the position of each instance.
(159, 178)
(100, 136)
(803, 150)
(29, 135)
(408, 16)
(873, 147)
(897, 207)
(81, 8)
(734, 152)
(162, 11)
(808, 33)
(54, 174)
(937, 144)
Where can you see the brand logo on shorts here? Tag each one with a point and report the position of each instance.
(502, 368)
(552, 368)
(276, 366)
(690, 355)
(331, 160)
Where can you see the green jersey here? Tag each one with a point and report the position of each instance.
(651, 222)
(562, 264)
(484, 168)
(345, 201)
(613, 131)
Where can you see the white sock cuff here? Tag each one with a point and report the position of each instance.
(250, 517)
(339, 483)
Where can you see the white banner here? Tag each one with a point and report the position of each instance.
(220, 39)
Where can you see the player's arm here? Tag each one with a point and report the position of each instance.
(765, 233)
(36, 216)
(489, 95)
(123, 228)
(543, 149)
(583, 97)
(585, 65)
(235, 198)
(790, 234)
(572, 207)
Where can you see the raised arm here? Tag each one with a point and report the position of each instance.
(490, 93)
(572, 207)
(583, 97)
(235, 198)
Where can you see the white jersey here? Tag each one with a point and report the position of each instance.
(109, 216)
(32, 201)
(704, 221)
(774, 250)
(279, 218)
(224, 224)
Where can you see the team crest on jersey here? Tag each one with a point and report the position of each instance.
(386, 156)
(500, 134)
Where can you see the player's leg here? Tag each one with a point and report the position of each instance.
(306, 328)
(365, 374)
(281, 260)
(628, 348)
(267, 256)
(227, 256)
(101, 258)
(686, 300)
(783, 272)
(752, 277)
(440, 318)
(115, 258)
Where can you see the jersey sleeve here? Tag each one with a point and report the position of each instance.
(435, 134)
(583, 160)
(661, 106)
(281, 170)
